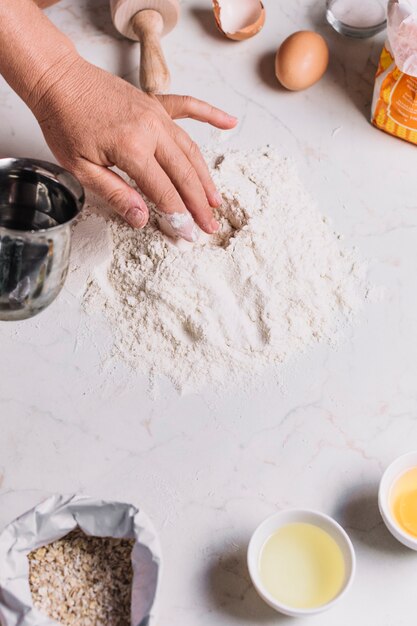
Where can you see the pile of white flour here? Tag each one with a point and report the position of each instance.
(274, 281)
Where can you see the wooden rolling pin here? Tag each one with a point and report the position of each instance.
(147, 21)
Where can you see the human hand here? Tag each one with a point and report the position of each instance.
(93, 120)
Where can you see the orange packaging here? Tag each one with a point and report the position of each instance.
(394, 106)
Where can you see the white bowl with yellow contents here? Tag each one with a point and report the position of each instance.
(301, 562)
(397, 499)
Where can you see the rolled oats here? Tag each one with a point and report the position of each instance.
(83, 580)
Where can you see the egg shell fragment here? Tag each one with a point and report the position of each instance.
(301, 60)
(235, 13)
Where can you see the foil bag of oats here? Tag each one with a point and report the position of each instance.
(53, 519)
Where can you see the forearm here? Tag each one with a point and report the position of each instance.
(34, 54)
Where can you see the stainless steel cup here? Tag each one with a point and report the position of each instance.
(38, 202)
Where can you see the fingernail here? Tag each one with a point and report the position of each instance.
(136, 217)
(232, 118)
(178, 225)
(214, 225)
(218, 199)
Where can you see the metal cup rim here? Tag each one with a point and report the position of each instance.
(49, 171)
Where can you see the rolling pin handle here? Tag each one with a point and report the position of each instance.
(153, 74)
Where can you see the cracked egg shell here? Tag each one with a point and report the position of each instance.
(239, 19)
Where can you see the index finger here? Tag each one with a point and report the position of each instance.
(175, 219)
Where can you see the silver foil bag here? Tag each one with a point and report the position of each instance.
(56, 517)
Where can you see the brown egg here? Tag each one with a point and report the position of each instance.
(301, 60)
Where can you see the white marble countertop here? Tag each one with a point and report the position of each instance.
(208, 472)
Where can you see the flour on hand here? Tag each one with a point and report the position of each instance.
(272, 282)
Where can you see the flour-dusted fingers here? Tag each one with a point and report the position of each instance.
(174, 218)
(193, 154)
(180, 107)
(106, 184)
(186, 180)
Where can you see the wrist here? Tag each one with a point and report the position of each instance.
(55, 77)
(34, 52)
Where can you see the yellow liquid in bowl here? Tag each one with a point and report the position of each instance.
(302, 566)
(404, 501)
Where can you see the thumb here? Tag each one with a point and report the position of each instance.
(179, 107)
(123, 199)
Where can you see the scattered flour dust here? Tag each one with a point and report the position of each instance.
(274, 280)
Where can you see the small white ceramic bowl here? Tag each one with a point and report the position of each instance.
(270, 525)
(390, 476)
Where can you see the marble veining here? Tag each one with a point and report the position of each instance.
(209, 468)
